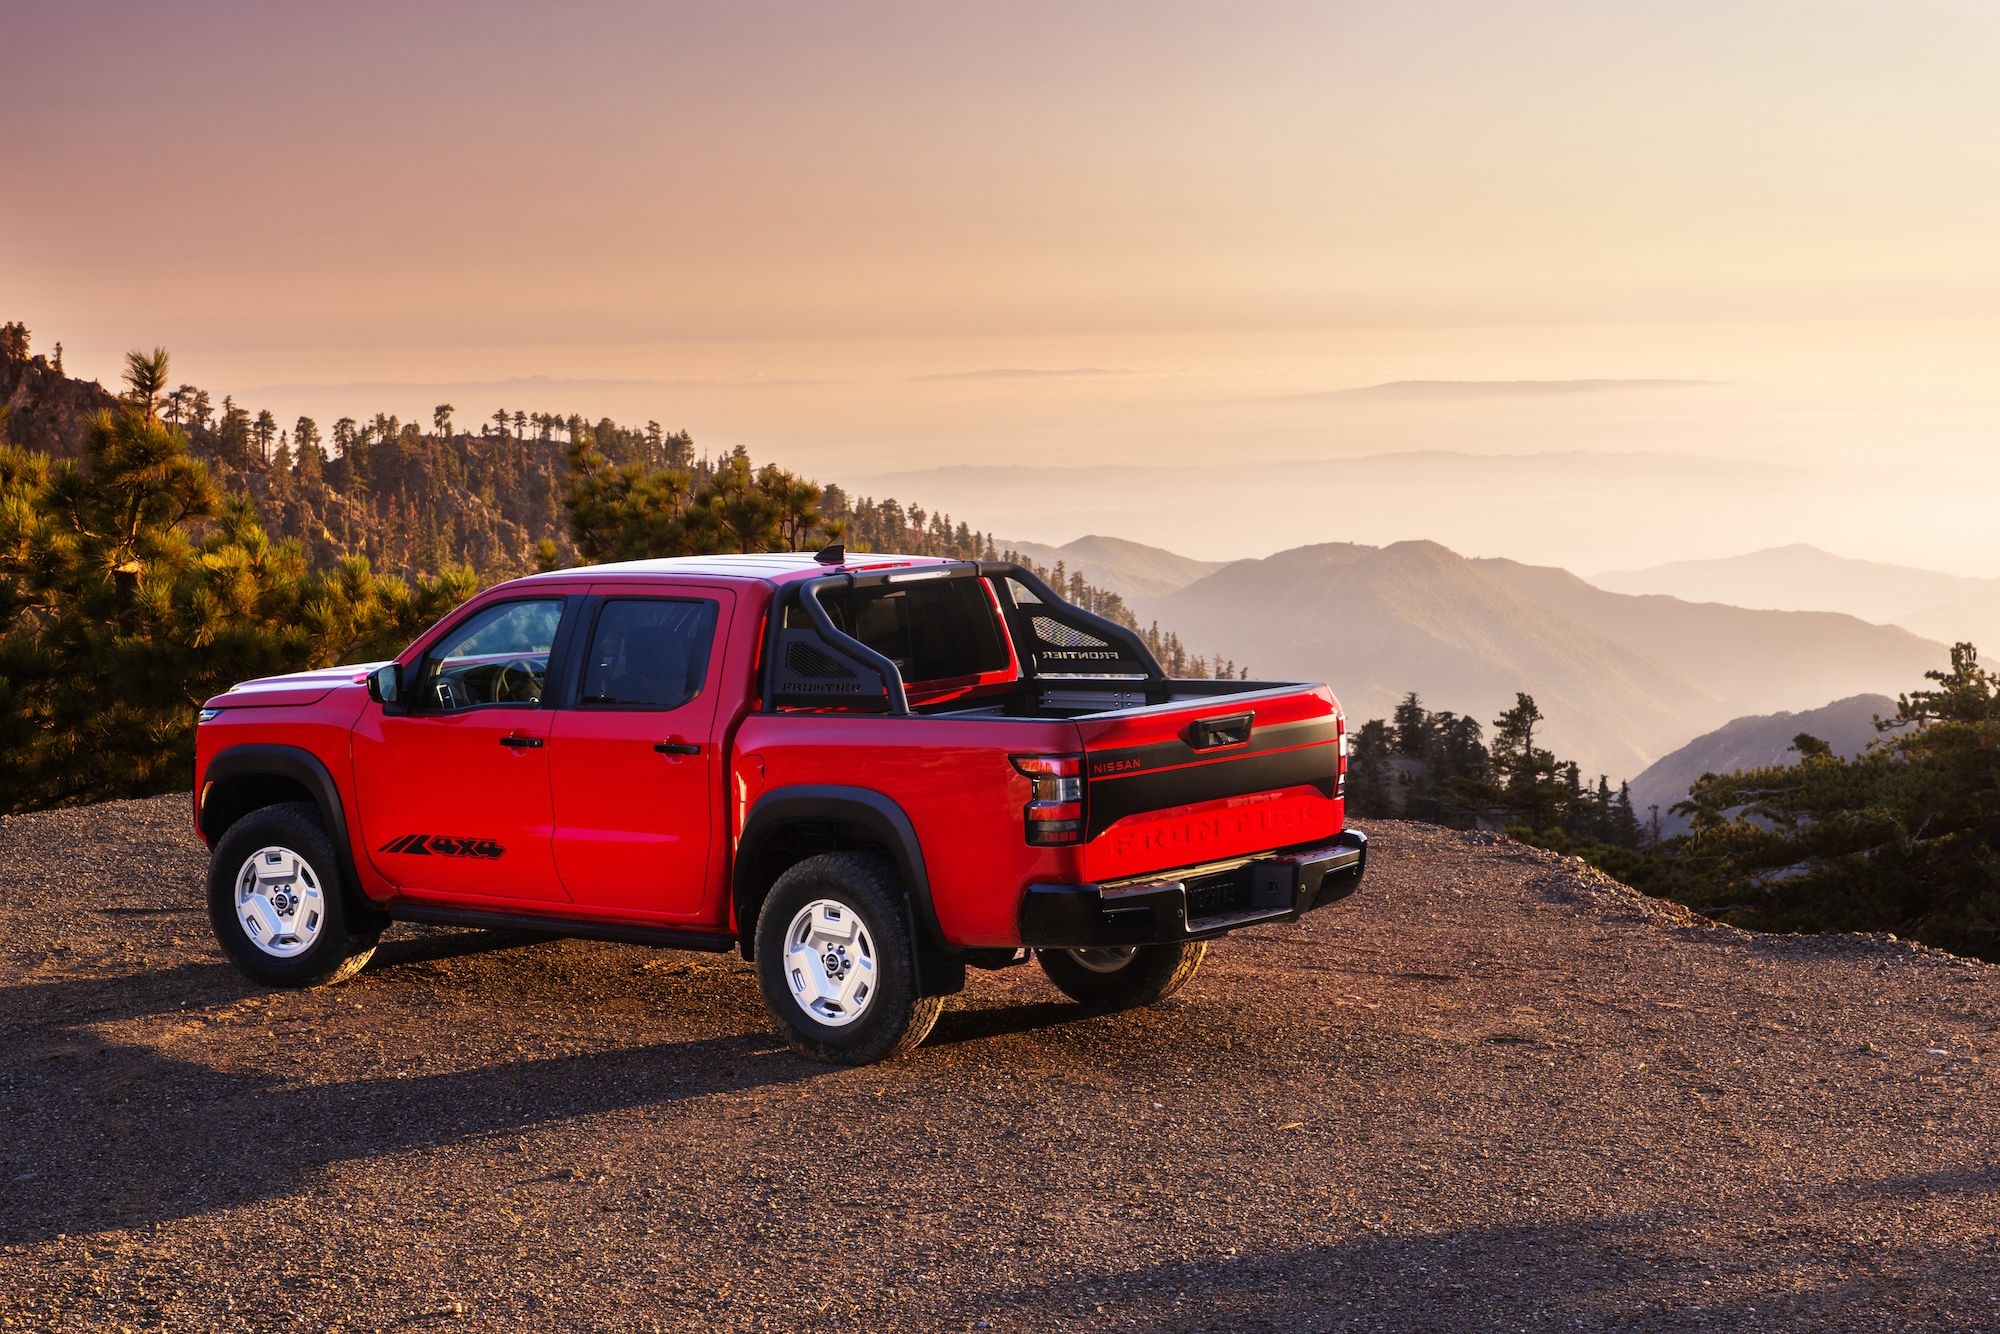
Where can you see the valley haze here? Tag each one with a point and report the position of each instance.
(1623, 679)
(1492, 276)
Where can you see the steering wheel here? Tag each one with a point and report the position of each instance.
(519, 681)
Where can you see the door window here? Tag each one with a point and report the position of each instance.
(648, 653)
(497, 657)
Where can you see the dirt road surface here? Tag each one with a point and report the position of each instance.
(1493, 1091)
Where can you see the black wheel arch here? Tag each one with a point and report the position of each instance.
(248, 777)
(788, 824)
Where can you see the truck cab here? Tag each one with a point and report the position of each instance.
(864, 774)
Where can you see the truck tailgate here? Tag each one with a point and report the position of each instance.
(1173, 785)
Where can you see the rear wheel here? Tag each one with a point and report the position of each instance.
(277, 903)
(837, 962)
(1122, 977)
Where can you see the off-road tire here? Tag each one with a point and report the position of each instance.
(342, 944)
(1152, 973)
(895, 1019)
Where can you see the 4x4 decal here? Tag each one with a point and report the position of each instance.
(444, 845)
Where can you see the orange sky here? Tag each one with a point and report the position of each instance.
(771, 220)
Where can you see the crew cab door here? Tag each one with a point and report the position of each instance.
(453, 781)
(632, 759)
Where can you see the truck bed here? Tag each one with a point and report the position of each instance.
(953, 676)
(1055, 699)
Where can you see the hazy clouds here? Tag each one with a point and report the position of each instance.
(871, 239)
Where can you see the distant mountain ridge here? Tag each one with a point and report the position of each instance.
(1622, 679)
(1799, 577)
(1231, 503)
(1129, 569)
(1752, 742)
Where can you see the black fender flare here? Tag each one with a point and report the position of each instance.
(308, 771)
(864, 807)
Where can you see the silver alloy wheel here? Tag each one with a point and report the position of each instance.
(830, 962)
(1104, 958)
(279, 902)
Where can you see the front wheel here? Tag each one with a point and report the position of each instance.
(276, 901)
(837, 962)
(1122, 977)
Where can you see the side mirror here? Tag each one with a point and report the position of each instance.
(385, 683)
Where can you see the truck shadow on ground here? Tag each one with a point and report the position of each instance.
(435, 944)
(110, 1134)
(960, 1026)
(1768, 1261)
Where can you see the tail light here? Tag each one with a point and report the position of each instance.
(1340, 772)
(1056, 814)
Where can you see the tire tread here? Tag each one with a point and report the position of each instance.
(1154, 973)
(870, 884)
(344, 946)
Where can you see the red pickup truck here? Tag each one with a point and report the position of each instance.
(865, 773)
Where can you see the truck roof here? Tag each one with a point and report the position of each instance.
(765, 567)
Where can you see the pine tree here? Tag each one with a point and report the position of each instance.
(1527, 776)
(1368, 773)
(1903, 837)
(262, 433)
(1412, 725)
(132, 589)
(146, 379)
(234, 433)
(306, 443)
(1624, 821)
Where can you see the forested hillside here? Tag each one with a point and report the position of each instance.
(417, 496)
(156, 545)
(1897, 830)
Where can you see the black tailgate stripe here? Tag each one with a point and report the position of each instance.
(1129, 760)
(1304, 755)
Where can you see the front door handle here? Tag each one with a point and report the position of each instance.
(522, 742)
(678, 747)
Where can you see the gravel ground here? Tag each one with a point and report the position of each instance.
(1492, 1091)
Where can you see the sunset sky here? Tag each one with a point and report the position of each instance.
(823, 230)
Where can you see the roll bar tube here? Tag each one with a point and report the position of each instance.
(1102, 626)
(899, 701)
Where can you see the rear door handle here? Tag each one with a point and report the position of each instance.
(677, 747)
(522, 742)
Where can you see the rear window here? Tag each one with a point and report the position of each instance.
(932, 631)
(648, 653)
